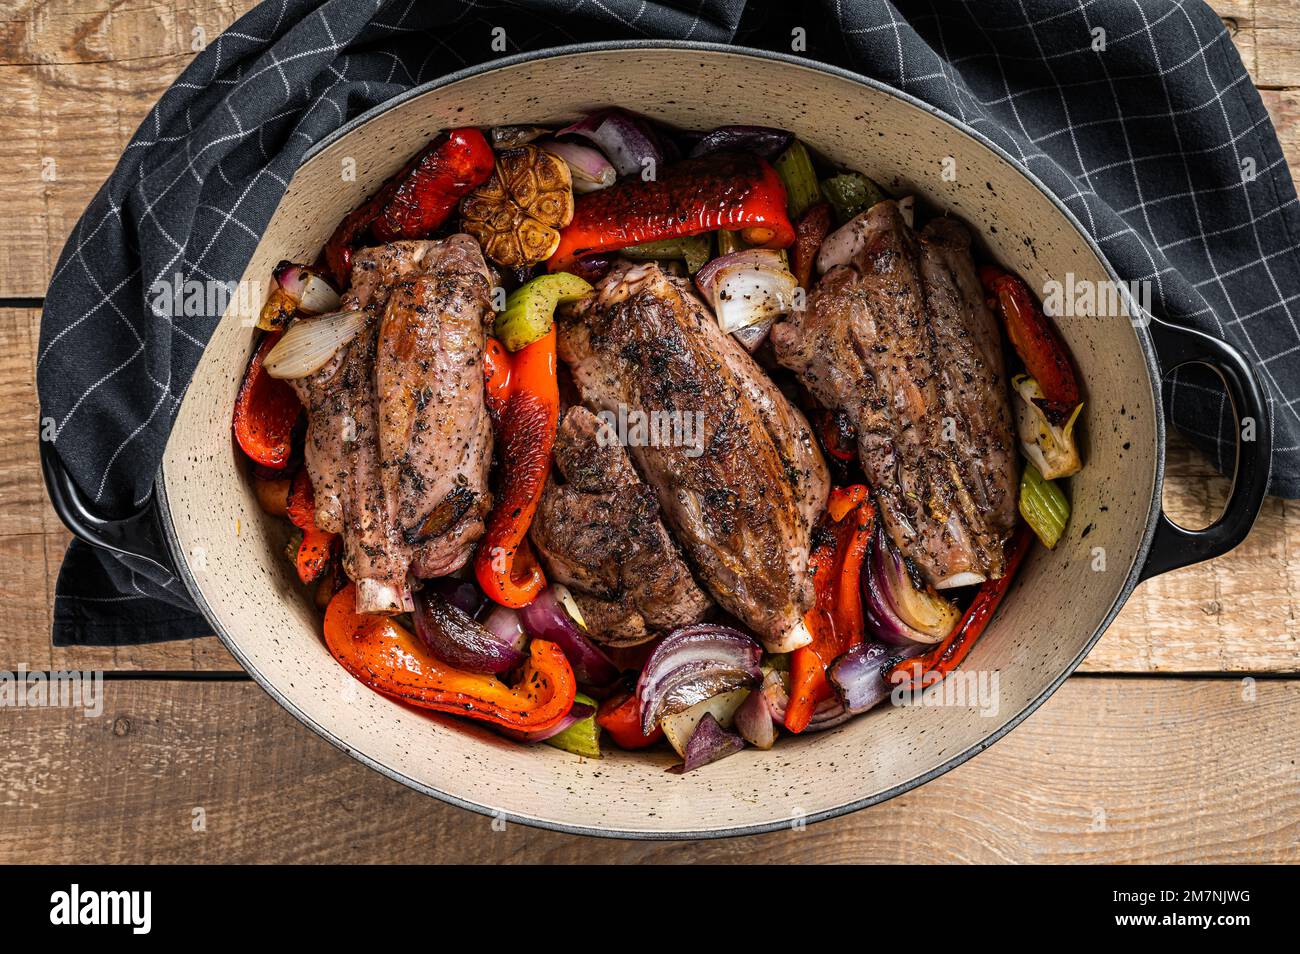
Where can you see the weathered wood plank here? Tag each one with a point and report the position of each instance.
(1110, 770)
(80, 76)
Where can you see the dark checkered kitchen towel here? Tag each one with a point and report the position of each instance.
(1137, 113)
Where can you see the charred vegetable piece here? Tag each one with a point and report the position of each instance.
(679, 728)
(620, 716)
(530, 309)
(851, 194)
(1051, 447)
(1043, 506)
(836, 620)
(391, 660)
(709, 743)
(692, 664)
(266, 411)
(929, 668)
(417, 200)
(901, 608)
(735, 191)
(748, 288)
(761, 140)
(455, 637)
(695, 250)
(314, 551)
(1036, 342)
(810, 231)
(516, 213)
(523, 398)
(583, 736)
(801, 188)
(547, 618)
(627, 139)
(272, 494)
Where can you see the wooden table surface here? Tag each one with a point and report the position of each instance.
(1177, 741)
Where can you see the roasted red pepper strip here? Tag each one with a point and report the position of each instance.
(839, 436)
(266, 410)
(1036, 342)
(948, 654)
(836, 620)
(417, 200)
(620, 716)
(523, 398)
(314, 551)
(389, 659)
(810, 231)
(733, 191)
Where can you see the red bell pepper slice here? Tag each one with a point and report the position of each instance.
(266, 410)
(523, 397)
(391, 660)
(836, 619)
(810, 231)
(620, 716)
(315, 550)
(948, 654)
(1035, 340)
(733, 191)
(417, 200)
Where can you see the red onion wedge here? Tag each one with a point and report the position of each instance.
(462, 594)
(494, 646)
(580, 711)
(588, 167)
(709, 743)
(829, 713)
(859, 675)
(754, 721)
(546, 618)
(694, 663)
(901, 610)
(626, 140)
(760, 140)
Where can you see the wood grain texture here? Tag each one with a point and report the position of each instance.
(1115, 770)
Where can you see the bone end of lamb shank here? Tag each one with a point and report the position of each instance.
(598, 530)
(398, 437)
(739, 478)
(897, 336)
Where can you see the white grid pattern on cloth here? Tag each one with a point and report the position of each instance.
(1143, 142)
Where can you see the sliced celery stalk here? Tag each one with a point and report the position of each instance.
(796, 170)
(530, 309)
(696, 250)
(850, 194)
(1043, 506)
(583, 737)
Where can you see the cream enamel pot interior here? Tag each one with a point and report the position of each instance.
(205, 522)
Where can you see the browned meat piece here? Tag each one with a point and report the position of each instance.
(598, 530)
(972, 389)
(398, 441)
(342, 457)
(435, 438)
(899, 339)
(742, 498)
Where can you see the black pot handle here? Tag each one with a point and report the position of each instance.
(1173, 546)
(138, 535)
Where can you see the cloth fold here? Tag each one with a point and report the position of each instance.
(1139, 116)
